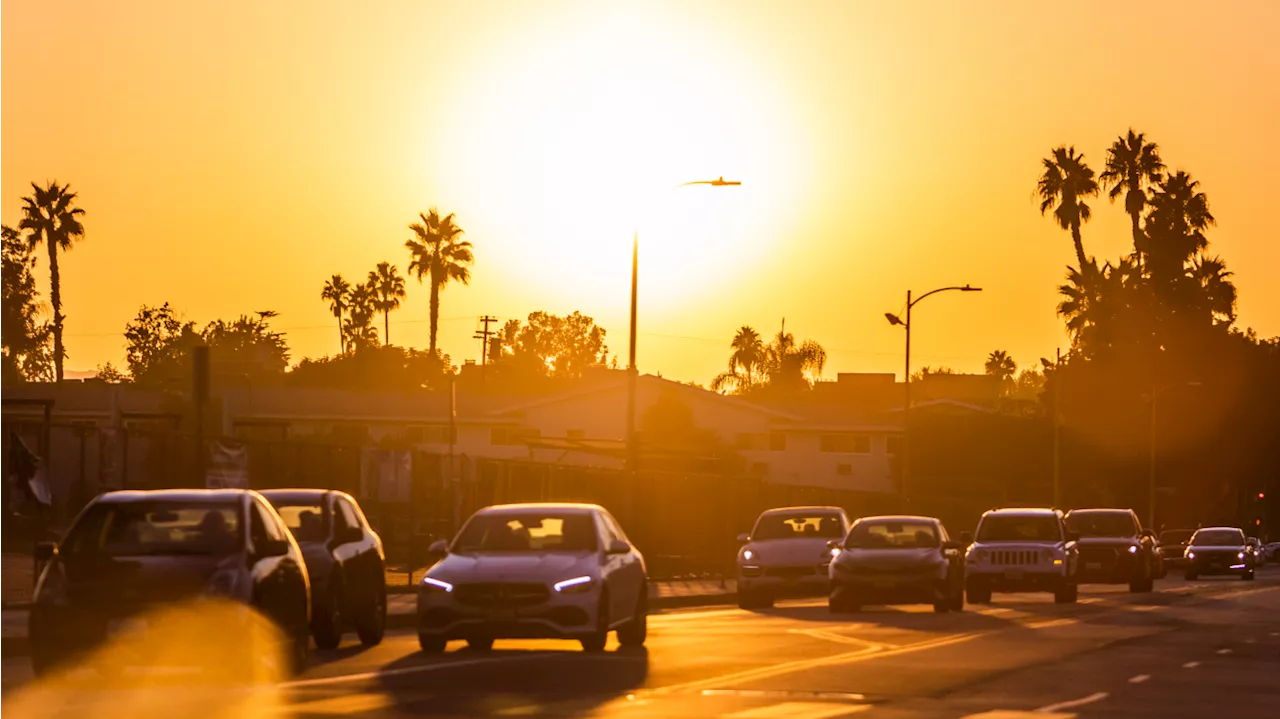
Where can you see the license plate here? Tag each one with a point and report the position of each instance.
(122, 628)
(1013, 574)
(1093, 565)
(883, 584)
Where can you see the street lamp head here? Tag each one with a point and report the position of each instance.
(893, 319)
(967, 288)
(721, 182)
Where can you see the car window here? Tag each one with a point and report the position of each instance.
(1174, 536)
(1218, 538)
(1016, 528)
(534, 532)
(613, 526)
(607, 535)
(876, 534)
(308, 521)
(798, 526)
(122, 529)
(347, 512)
(1102, 524)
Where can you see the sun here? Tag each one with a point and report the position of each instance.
(575, 139)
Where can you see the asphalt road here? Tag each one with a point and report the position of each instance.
(1189, 649)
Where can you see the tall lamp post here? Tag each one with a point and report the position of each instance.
(633, 454)
(1151, 465)
(906, 401)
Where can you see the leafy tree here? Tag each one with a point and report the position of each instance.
(109, 374)
(50, 217)
(383, 368)
(1066, 181)
(247, 343)
(1001, 365)
(358, 329)
(439, 254)
(926, 372)
(157, 341)
(1133, 165)
(388, 289)
(159, 345)
(26, 355)
(551, 346)
(336, 291)
(788, 366)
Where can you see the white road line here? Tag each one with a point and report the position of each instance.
(1051, 708)
(1139, 679)
(840, 638)
(800, 710)
(1052, 623)
(1223, 651)
(1191, 665)
(440, 666)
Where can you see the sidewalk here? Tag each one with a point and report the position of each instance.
(402, 607)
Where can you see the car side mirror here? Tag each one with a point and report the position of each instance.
(347, 535)
(966, 538)
(618, 546)
(952, 544)
(46, 551)
(744, 538)
(439, 546)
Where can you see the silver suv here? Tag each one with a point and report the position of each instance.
(1022, 550)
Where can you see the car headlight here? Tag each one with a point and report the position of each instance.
(748, 555)
(577, 585)
(1133, 549)
(436, 585)
(976, 555)
(1240, 555)
(835, 552)
(1191, 555)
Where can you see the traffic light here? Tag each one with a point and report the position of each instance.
(1262, 495)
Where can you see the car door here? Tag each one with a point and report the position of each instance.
(266, 570)
(630, 568)
(611, 570)
(349, 554)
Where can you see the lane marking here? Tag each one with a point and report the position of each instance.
(440, 666)
(350, 704)
(1052, 623)
(1051, 708)
(784, 694)
(840, 638)
(1139, 679)
(800, 710)
(1223, 651)
(1191, 665)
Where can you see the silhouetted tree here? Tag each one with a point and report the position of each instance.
(1217, 294)
(551, 346)
(375, 368)
(1133, 165)
(336, 290)
(789, 366)
(157, 341)
(159, 344)
(388, 289)
(1001, 365)
(358, 329)
(25, 340)
(50, 217)
(1176, 224)
(1066, 181)
(441, 256)
(745, 362)
(110, 374)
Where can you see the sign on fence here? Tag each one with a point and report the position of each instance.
(228, 465)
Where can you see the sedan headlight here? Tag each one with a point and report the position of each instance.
(1240, 555)
(577, 585)
(1191, 555)
(432, 584)
(835, 552)
(1133, 549)
(748, 555)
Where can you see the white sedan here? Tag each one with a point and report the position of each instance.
(535, 571)
(787, 553)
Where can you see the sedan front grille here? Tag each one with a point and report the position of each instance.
(790, 572)
(501, 595)
(1015, 557)
(1104, 556)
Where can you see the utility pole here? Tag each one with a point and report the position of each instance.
(483, 335)
(1057, 394)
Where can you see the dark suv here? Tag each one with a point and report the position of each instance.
(1115, 549)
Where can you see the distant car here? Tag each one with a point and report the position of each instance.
(344, 560)
(541, 571)
(1022, 550)
(1114, 548)
(131, 552)
(1173, 546)
(787, 553)
(897, 560)
(1272, 551)
(1219, 550)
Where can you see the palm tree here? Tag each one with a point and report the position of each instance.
(337, 291)
(388, 289)
(438, 253)
(1000, 364)
(358, 329)
(50, 218)
(1177, 221)
(1217, 292)
(785, 363)
(1133, 164)
(1080, 298)
(1065, 183)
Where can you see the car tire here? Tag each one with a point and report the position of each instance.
(595, 641)
(431, 643)
(1066, 594)
(326, 625)
(942, 606)
(480, 644)
(1247, 576)
(634, 632)
(978, 593)
(371, 625)
(844, 605)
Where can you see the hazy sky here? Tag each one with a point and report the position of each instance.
(231, 156)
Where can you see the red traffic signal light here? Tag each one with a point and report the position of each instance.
(1262, 495)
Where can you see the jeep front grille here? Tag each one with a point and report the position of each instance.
(1015, 557)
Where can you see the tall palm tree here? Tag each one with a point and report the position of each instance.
(1065, 183)
(1000, 364)
(388, 289)
(1177, 221)
(438, 253)
(337, 290)
(1133, 165)
(358, 329)
(50, 218)
(748, 352)
(1080, 298)
(1218, 294)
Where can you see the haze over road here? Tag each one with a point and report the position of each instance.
(1190, 649)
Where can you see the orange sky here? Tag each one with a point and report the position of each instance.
(232, 156)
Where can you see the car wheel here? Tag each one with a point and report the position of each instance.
(1066, 594)
(480, 644)
(1247, 576)
(301, 651)
(431, 643)
(942, 606)
(634, 632)
(326, 625)
(371, 625)
(595, 641)
(977, 593)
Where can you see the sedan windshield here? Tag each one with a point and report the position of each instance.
(892, 535)
(1013, 528)
(1218, 538)
(527, 533)
(1102, 524)
(798, 526)
(119, 529)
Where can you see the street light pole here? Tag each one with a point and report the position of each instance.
(906, 393)
(1151, 448)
